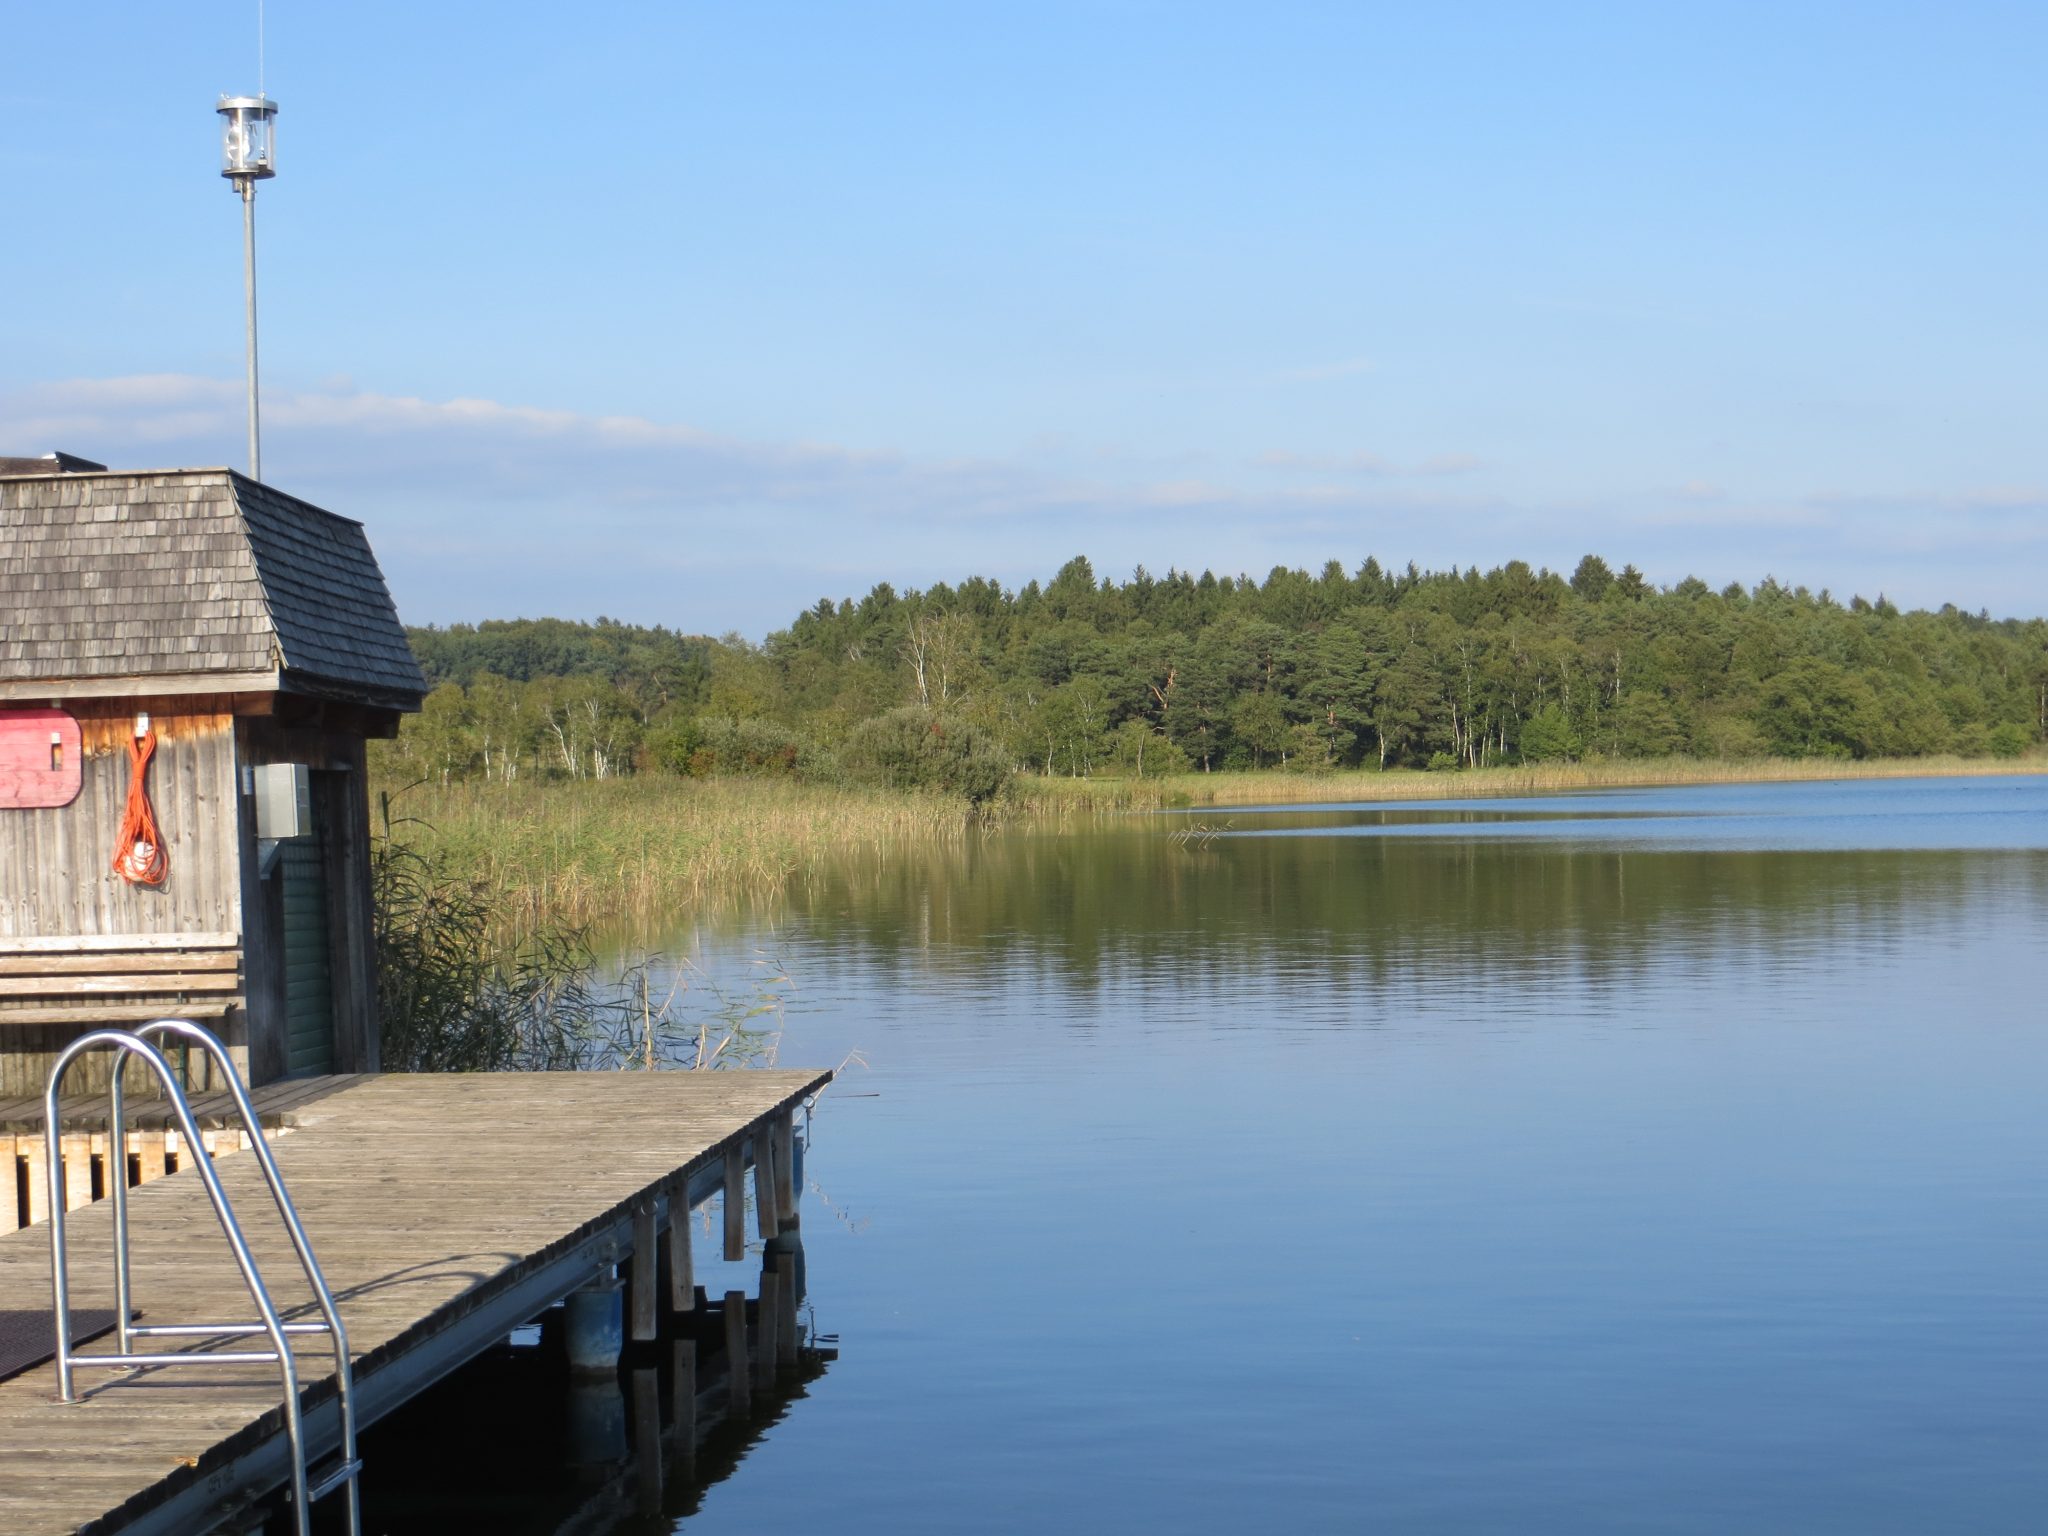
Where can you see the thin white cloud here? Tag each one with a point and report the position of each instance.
(479, 508)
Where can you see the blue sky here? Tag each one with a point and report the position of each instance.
(692, 314)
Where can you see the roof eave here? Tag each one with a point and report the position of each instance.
(404, 700)
(137, 685)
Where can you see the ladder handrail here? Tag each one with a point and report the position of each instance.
(126, 1043)
(344, 1370)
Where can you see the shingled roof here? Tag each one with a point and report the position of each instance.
(193, 580)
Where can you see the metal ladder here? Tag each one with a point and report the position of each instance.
(306, 1486)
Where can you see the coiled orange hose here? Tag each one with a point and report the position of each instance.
(139, 852)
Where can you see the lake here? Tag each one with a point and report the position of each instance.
(1646, 1161)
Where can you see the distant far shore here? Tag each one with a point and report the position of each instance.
(1270, 787)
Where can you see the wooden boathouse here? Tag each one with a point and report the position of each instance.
(234, 647)
(191, 664)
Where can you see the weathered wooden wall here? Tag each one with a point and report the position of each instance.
(56, 864)
(56, 875)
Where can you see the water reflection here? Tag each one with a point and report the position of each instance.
(541, 1450)
(1352, 931)
(1624, 1180)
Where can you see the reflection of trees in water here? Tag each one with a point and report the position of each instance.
(1392, 913)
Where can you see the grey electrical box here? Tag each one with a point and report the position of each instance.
(284, 801)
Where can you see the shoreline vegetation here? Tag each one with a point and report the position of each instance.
(573, 775)
(961, 689)
(550, 855)
(1365, 787)
(476, 972)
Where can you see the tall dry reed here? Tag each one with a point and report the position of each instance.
(1056, 797)
(587, 852)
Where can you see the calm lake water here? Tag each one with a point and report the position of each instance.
(1656, 1161)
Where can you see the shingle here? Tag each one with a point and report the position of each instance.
(165, 572)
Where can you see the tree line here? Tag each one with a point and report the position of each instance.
(958, 686)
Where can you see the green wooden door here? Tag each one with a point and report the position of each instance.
(308, 977)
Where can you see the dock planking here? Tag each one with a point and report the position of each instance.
(444, 1209)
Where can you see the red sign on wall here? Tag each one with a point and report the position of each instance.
(40, 760)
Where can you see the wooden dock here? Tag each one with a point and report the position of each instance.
(151, 1144)
(446, 1210)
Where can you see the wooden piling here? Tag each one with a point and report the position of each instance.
(31, 1149)
(766, 1327)
(642, 1276)
(647, 1440)
(77, 1171)
(785, 1311)
(682, 1282)
(738, 1378)
(149, 1154)
(785, 1167)
(766, 1200)
(735, 1203)
(683, 1404)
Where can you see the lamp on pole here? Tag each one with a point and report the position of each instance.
(248, 154)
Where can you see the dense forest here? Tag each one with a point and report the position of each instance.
(961, 686)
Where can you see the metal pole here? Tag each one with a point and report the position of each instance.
(248, 186)
(117, 1193)
(60, 1262)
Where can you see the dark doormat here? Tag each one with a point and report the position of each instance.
(28, 1336)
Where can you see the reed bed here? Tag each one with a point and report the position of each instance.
(648, 850)
(584, 853)
(1056, 797)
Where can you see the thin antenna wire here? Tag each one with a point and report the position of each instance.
(259, 47)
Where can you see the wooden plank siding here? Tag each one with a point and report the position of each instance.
(56, 863)
(54, 896)
(57, 881)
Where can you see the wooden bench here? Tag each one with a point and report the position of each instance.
(119, 979)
